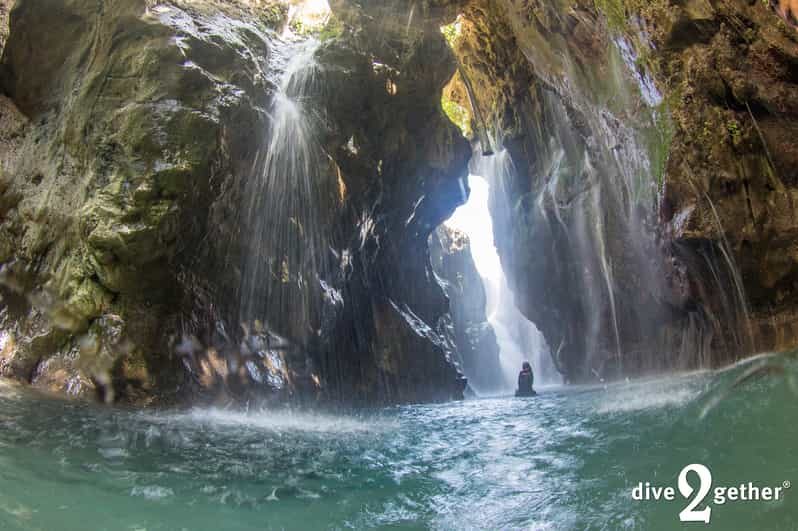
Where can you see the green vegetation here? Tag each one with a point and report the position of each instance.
(274, 15)
(333, 29)
(619, 12)
(706, 132)
(300, 28)
(661, 148)
(451, 32)
(459, 115)
(733, 127)
(615, 12)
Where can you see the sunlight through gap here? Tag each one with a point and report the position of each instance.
(519, 340)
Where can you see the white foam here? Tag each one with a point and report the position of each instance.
(673, 391)
(113, 453)
(278, 421)
(647, 401)
(152, 492)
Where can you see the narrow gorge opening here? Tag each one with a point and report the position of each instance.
(517, 338)
(507, 338)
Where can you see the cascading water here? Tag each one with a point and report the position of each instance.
(576, 228)
(286, 241)
(579, 232)
(518, 339)
(591, 197)
(598, 204)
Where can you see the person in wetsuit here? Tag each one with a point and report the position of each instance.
(525, 381)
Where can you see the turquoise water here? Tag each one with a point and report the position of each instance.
(567, 459)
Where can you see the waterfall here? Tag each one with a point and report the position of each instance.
(593, 206)
(286, 243)
(518, 339)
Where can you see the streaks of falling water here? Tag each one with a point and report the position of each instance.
(599, 196)
(606, 270)
(286, 241)
(594, 199)
(519, 340)
(740, 306)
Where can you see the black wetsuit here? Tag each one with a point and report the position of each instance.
(525, 381)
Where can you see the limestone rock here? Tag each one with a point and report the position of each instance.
(648, 222)
(478, 351)
(130, 130)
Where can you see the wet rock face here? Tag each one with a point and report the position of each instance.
(732, 169)
(129, 131)
(573, 184)
(400, 162)
(650, 166)
(126, 131)
(477, 349)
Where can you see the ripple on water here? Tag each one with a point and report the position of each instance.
(565, 460)
(641, 395)
(152, 492)
(275, 421)
(113, 453)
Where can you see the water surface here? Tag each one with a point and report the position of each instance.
(567, 459)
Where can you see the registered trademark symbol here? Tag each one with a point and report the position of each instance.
(699, 508)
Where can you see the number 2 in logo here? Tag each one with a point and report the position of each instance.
(689, 514)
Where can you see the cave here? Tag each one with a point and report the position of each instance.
(290, 259)
(258, 214)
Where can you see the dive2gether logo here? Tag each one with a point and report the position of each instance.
(696, 510)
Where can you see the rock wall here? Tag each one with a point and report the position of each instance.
(401, 163)
(477, 349)
(129, 131)
(130, 120)
(642, 205)
(730, 71)
(650, 195)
